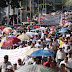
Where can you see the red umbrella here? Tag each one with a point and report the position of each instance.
(36, 26)
(11, 41)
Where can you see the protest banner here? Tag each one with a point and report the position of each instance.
(49, 19)
(13, 54)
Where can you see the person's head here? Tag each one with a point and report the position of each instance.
(43, 31)
(14, 66)
(47, 45)
(66, 41)
(49, 58)
(60, 48)
(62, 66)
(19, 61)
(66, 59)
(39, 41)
(38, 61)
(9, 68)
(53, 63)
(69, 55)
(6, 58)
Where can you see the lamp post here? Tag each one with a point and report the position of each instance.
(21, 14)
(30, 9)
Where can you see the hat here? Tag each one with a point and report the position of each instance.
(10, 67)
(36, 33)
(14, 63)
(60, 47)
(39, 40)
(19, 59)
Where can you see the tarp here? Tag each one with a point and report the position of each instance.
(13, 54)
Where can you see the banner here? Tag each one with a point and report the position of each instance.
(13, 54)
(49, 20)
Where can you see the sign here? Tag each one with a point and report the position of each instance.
(49, 20)
(44, 11)
(13, 54)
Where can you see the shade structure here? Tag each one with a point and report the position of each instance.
(7, 30)
(24, 37)
(11, 41)
(28, 52)
(34, 68)
(41, 52)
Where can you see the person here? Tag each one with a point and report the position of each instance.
(38, 45)
(47, 47)
(14, 66)
(9, 68)
(4, 64)
(4, 21)
(54, 66)
(19, 63)
(65, 46)
(62, 68)
(67, 64)
(51, 46)
(48, 62)
(42, 35)
(60, 55)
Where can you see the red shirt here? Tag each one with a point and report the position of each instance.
(46, 63)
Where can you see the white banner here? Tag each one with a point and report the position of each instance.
(13, 54)
(49, 20)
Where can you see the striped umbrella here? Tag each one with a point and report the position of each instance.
(7, 30)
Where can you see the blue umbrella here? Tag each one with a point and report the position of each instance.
(41, 52)
(63, 30)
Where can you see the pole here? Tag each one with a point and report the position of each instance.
(43, 4)
(30, 9)
(26, 10)
(20, 13)
(38, 6)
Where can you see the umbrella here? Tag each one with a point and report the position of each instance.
(11, 41)
(41, 53)
(7, 30)
(24, 37)
(28, 52)
(30, 33)
(16, 33)
(34, 68)
(4, 38)
(11, 36)
(1, 43)
(21, 27)
(63, 30)
(29, 26)
(36, 27)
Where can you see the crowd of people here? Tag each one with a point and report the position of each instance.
(56, 43)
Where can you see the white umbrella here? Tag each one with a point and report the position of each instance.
(34, 68)
(30, 33)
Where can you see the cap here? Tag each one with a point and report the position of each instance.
(60, 47)
(39, 40)
(14, 63)
(19, 59)
(10, 67)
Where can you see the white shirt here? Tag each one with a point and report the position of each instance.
(70, 60)
(47, 48)
(65, 47)
(38, 45)
(68, 64)
(60, 55)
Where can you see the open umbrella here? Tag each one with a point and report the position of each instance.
(41, 52)
(11, 36)
(11, 41)
(7, 30)
(30, 33)
(28, 52)
(4, 38)
(24, 37)
(34, 68)
(29, 26)
(36, 27)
